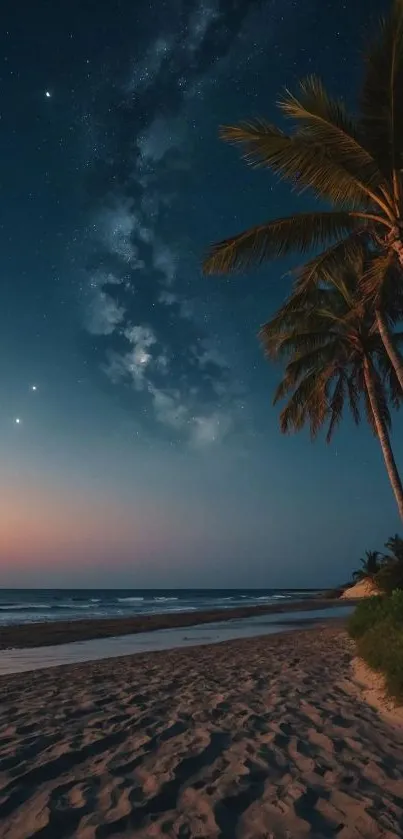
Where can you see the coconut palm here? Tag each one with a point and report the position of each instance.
(370, 566)
(334, 357)
(355, 163)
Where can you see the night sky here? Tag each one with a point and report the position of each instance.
(138, 443)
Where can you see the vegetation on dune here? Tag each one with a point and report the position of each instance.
(390, 575)
(377, 622)
(385, 570)
(377, 627)
(370, 566)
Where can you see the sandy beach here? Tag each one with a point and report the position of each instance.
(268, 737)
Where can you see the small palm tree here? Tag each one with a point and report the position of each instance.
(370, 566)
(356, 164)
(395, 546)
(390, 576)
(334, 357)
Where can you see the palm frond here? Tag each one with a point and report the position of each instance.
(372, 280)
(302, 233)
(326, 337)
(342, 256)
(354, 400)
(319, 358)
(281, 343)
(325, 121)
(336, 404)
(307, 163)
(306, 406)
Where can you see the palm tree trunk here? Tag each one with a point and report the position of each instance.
(383, 436)
(387, 340)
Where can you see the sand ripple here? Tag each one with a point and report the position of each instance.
(245, 740)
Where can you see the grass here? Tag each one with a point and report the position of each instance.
(377, 627)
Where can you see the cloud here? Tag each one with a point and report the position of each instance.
(169, 49)
(169, 408)
(209, 355)
(99, 279)
(104, 314)
(162, 136)
(201, 18)
(115, 228)
(168, 298)
(210, 429)
(165, 261)
(145, 358)
(172, 409)
(185, 307)
(177, 408)
(142, 339)
(144, 72)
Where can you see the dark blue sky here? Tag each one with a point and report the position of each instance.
(149, 453)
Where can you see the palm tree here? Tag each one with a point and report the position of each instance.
(395, 546)
(334, 356)
(390, 575)
(370, 566)
(356, 164)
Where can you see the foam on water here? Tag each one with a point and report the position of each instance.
(29, 606)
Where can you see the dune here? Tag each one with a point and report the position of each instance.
(364, 588)
(252, 739)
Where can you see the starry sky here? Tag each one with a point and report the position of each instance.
(138, 443)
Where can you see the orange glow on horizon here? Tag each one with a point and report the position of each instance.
(54, 526)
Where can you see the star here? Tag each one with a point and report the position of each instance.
(48, 94)
(17, 421)
(33, 387)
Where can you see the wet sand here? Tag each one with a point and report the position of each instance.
(63, 632)
(267, 738)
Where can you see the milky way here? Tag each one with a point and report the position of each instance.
(144, 287)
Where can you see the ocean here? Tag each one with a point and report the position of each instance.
(38, 605)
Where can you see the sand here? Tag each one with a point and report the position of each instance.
(373, 689)
(364, 588)
(251, 739)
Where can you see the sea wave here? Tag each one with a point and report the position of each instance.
(24, 607)
(175, 609)
(165, 599)
(130, 599)
(74, 606)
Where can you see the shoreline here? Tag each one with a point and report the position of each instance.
(250, 738)
(25, 636)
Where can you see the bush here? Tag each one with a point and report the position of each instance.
(382, 648)
(390, 576)
(369, 612)
(377, 626)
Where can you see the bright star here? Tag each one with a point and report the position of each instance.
(17, 421)
(33, 387)
(48, 94)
